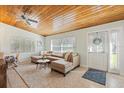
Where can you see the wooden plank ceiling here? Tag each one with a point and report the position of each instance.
(59, 19)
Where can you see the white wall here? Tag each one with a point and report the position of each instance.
(121, 51)
(81, 38)
(7, 33)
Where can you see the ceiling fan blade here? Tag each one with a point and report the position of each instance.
(32, 20)
(23, 16)
(28, 22)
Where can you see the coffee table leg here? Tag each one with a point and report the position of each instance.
(45, 64)
(40, 66)
(37, 66)
(48, 65)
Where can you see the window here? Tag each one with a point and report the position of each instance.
(63, 45)
(56, 45)
(114, 65)
(96, 42)
(24, 45)
(68, 44)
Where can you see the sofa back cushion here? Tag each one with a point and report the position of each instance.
(56, 54)
(46, 53)
(74, 54)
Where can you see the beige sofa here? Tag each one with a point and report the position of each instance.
(63, 65)
(60, 62)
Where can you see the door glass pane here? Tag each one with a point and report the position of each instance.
(113, 51)
(96, 42)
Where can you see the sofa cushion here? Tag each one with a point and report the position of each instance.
(74, 54)
(53, 58)
(61, 64)
(36, 57)
(48, 53)
(56, 54)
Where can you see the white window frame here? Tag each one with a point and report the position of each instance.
(62, 44)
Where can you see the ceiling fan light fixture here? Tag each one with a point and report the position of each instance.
(31, 22)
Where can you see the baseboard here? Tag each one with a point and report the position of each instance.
(85, 66)
(122, 74)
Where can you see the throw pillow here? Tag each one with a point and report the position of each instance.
(66, 55)
(70, 58)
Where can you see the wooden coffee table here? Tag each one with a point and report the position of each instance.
(43, 63)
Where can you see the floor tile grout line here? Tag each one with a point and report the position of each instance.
(21, 78)
(9, 83)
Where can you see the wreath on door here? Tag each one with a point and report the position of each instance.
(97, 40)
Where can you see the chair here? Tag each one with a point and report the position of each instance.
(16, 59)
(12, 60)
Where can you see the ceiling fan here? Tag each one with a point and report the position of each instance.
(28, 20)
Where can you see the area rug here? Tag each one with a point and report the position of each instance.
(44, 78)
(96, 76)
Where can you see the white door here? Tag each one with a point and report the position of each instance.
(98, 50)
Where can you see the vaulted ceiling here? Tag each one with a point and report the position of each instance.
(59, 19)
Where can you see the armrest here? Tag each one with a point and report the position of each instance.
(76, 60)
